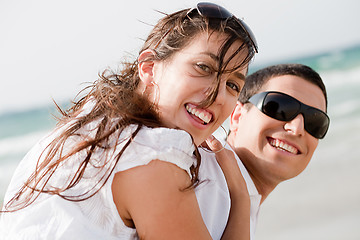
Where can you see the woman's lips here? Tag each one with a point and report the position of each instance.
(199, 114)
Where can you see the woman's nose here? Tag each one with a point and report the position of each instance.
(220, 98)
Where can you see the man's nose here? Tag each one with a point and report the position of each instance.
(296, 126)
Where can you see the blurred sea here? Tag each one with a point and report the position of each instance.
(321, 203)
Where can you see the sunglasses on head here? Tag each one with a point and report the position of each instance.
(283, 107)
(211, 10)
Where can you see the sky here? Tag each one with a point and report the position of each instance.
(49, 49)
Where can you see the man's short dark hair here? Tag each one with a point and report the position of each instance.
(257, 79)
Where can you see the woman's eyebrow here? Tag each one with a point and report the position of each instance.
(210, 54)
(216, 58)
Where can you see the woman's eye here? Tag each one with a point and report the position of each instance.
(204, 67)
(234, 86)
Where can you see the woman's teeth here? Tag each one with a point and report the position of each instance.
(201, 114)
(283, 146)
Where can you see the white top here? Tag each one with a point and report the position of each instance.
(52, 217)
(214, 198)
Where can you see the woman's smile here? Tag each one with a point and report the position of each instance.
(201, 115)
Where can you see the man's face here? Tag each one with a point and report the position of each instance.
(272, 149)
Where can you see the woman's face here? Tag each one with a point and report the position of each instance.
(183, 81)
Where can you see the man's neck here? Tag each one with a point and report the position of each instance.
(264, 188)
(263, 184)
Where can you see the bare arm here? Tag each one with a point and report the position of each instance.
(150, 198)
(238, 226)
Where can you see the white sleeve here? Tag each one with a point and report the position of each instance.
(170, 145)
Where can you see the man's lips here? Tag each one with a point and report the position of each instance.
(198, 113)
(281, 145)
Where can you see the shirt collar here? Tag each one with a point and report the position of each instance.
(249, 182)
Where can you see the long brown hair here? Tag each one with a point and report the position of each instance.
(116, 104)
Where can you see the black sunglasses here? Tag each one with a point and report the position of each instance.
(283, 107)
(211, 10)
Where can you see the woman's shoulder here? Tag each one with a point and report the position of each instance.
(170, 145)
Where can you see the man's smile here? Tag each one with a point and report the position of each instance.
(281, 145)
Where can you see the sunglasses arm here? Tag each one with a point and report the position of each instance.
(257, 99)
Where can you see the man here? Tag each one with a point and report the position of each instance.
(273, 135)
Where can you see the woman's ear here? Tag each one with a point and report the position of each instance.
(146, 66)
(235, 115)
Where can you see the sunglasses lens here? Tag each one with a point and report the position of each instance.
(211, 10)
(285, 108)
(280, 107)
(316, 123)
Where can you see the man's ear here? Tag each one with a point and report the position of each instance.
(146, 66)
(235, 115)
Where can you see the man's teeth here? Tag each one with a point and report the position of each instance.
(283, 146)
(203, 116)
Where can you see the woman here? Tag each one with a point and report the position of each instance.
(123, 162)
